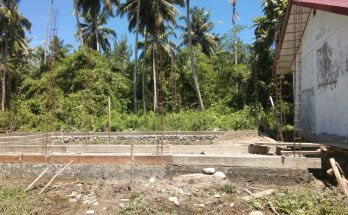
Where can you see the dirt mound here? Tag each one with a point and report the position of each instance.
(243, 136)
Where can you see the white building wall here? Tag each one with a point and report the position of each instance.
(325, 75)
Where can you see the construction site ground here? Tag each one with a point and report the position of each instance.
(196, 193)
(152, 179)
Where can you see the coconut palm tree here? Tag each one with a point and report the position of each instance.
(12, 37)
(201, 27)
(59, 49)
(152, 45)
(96, 30)
(143, 72)
(90, 9)
(193, 66)
(136, 59)
(152, 16)
(77, 17)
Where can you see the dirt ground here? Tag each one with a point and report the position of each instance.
(243, 136)
(195, 193)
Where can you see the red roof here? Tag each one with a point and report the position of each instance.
(334, 6)
(285, 57)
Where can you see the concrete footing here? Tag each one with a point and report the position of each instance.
(152, 149)
(117, 166)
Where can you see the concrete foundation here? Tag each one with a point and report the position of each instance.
(116, 166)
(20, 157)
(152, 149)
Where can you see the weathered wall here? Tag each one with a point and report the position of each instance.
(325, 75)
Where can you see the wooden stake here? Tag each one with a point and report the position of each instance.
(132, 164)
(21, 167)
(109, 108)
(342, 182)
(246, 190)
(48, 184)
(38, 178)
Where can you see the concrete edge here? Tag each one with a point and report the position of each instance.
(273, 162)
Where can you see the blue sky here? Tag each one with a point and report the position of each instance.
(37, 12)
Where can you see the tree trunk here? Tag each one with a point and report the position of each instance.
(78, 23)
(136, 61)
(154, 79)
(193, 66)
(234, 20)
(235, 51)
(143, 73)
(96, 27)
(4, 68)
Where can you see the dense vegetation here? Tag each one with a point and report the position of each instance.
(197, 84)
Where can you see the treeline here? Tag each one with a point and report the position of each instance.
(194, 84)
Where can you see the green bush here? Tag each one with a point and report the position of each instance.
(73, 118)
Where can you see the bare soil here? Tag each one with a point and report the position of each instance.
(197, 194)
(242, 136)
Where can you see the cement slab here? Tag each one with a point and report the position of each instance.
(254, 161)
(151, 149)
(248, 160)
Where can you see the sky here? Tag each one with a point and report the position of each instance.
(37, 12)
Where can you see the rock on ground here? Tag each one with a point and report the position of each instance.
(256, 213)
(217, 195)
(175, 200)
(219, 176)
(209, 171)
(153, 179)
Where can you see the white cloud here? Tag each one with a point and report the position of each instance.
(220, 22)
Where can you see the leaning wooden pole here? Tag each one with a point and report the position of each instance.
(55, 176)
(38, 178)
(342, 182)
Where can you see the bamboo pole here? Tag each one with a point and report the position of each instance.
(60, 171)
(38, 178)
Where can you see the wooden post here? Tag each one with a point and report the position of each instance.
(21, 167)
(342, 182)
(132, 165)
(109, 108)
(61, 132)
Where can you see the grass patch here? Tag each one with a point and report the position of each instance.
(304, 202)
(15, 201)
(229, 188)
(210, 190)
(142, 206)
